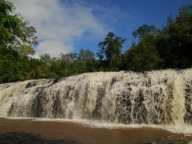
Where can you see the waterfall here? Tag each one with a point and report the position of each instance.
(153, 97)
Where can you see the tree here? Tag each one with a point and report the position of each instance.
(143, 56)
(145, 30)
(14, 31)
(110, 47)
(35, 69)
(46, 59)
(66, 60)
(85, 61)
(12, 65)
(16, 42)
(179, 30)
(25, 50)
(85, 55)
(8, 22)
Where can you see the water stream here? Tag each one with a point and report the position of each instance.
(156, 98)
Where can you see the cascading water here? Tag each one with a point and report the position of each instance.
(155, 97)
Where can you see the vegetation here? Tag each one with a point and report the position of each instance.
(169, 47)
(110, 48)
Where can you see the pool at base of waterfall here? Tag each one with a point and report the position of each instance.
(59, 131)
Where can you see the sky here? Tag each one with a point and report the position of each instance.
(68, 25)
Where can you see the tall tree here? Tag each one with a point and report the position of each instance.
(67, 60)
(110, 47)
(145, 30)
(85, 55)
(86, 60)
(35, 69)
(12, 65)
(143, 56)
(14, 31)
(179, 30)
(46, 59)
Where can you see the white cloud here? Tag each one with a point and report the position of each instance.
(57, 24)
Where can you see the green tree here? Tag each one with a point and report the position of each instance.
(85, 55)
(12, 65)
(46, 59)
(179, 31)
(16, 42)
(51, 66)
(66, 60)
(110, 47)
(25, 50)
(14, 31)
(143, 56)
(146, 30)
(85, 61)
(54, 70)
(8, 22)
(35, 69)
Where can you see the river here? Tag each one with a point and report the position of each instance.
(99, 108)
(85, 132)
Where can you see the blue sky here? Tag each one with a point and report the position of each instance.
(69, 25)
(134, 14)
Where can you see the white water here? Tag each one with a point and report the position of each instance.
(157, 98)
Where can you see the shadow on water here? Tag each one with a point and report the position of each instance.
(26, 138)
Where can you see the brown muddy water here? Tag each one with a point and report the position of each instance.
(71, 132)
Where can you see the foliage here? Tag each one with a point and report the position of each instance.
(166, 48)
(35, 69)
(110, 47)
(8, 22)
(86, 61)
(146, 30)
(66, 60)
(85, 55)
(14, 31)
(12, 66)
(143, 56)
(179, 30)
(169, 47)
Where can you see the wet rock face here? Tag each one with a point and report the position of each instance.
(188, 101)
(155, 97)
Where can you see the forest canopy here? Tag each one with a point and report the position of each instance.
(156, 48)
